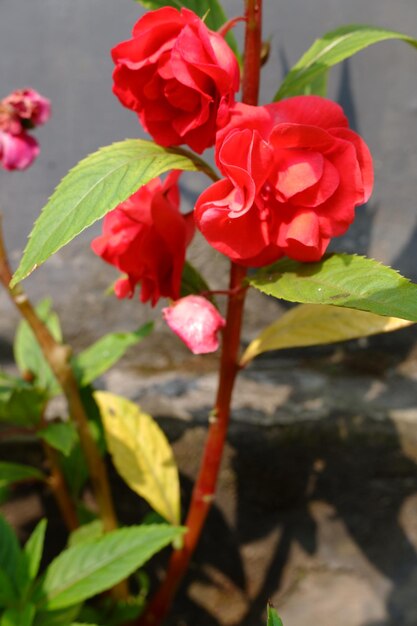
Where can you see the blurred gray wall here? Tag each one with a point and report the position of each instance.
(61, 48)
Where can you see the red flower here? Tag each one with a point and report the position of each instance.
(179, 76)
(197, 322)
(294, 173)
(146, 237)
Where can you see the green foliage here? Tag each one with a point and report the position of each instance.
(332, 48)
(192, 281)
(91, 567)
(272, 617)
(86, 532)
(22, 616)
(12, 561)
(60, 435)
(99, 357)
(14, 472)
(93, 188)
(28, 354)
(20, 402)
(210, 10)
(341, 280)
(33, 549)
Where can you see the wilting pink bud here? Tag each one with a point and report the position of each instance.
(32, 108)
(17, 151)
(196, 321)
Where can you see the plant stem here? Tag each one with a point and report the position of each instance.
(253, 47)
(57, 356)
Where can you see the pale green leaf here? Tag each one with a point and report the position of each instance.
(99, 357)
(273, 618)
(60, 435)
(22, 616)
(317, 324)
(34, 547)
(84, 570)
(86, 532)
(332, 48)
(210, 10)
(141, 454)
(14, 472)
(28, 354)
(342, 280)
(93, 188)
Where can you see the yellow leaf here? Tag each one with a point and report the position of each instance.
(315, 324)
(141, 454)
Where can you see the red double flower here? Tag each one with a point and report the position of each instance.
(293, 174)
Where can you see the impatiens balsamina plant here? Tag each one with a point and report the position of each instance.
(290, 175)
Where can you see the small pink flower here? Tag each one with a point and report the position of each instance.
(17, 151)
(196, 321)
(32, 108)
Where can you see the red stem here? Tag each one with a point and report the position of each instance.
(205, 486)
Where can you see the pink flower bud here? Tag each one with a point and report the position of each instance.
(196, 321)
(30, 106)
(17, 151)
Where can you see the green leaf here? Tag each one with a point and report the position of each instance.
(332, 48)
(87, 532)
(318, 85)
(34, 547)
(273, 619)
(341, 280)
(7, 592)
(99, 357)
(22, 616)
(87, 569)
(27, 352)
(11, 558)
(63, 617)
(20, 402)
(60, 435)
(13, 473)
(93, 188)
(211, 10)
(317, 324)
(192, 281)
(141, 454)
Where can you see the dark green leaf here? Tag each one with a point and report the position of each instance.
(98, 358)
(13, 473)
(20, 402)
(342, 280)
(211, 10)
(60, 435)
(33, 549)
(192, 281)
(332, 48)
(28, 354)
(93, 188)
(8, 594)
(22, 616)
(87, 569)
(12, 562)
(273, 619)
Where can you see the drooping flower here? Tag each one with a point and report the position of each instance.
(17, 152)
(197, 322)
(293, 174)
(32, 108)
(179, 77)
(146, 237)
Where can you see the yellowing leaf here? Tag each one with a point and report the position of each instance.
(141, 454)
(315, 324)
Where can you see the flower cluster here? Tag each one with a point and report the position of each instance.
(293, 171)
(21, 111)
